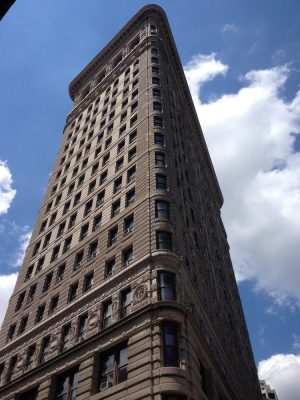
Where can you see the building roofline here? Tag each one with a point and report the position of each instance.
(90, 68)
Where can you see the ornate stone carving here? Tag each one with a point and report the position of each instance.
(140, 293)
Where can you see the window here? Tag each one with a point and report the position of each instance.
(47, 240)
(97, 222)
(127, 256)
(134, 94)
(110, 267)
(61, 229)
(155, 80)
(155, 70)
(123, 116)
(82, 327)
(45, 349)
(30, 357)
(154, 51)
(126, 297)
(121, 146)
(113, 366)
(78, 259)
(158, 121)
(58, 199)
(134, 43)
(156, 93)
(20, 301)
(162, 209)
(55, 253)
(73, 291)
(66, 337)
(107, 144)
(133, 120)
(66, 386)
(43, 226)
(97, 151)
(11, 368)
(53, 305)
(47, 282)
(88, 282)
(23, 324)
(128, 224)
(163, 240)
(131, 174)
(100, 198)
(88, 207)
(60, 272)
(157, 106)
(166, 286)
(40, 313)
(115, 208)
(170, 345)
(77, 199)
(154, 60)
(118, 184)
(93, 249)
(132, 136)
(153, 31)
(103, 177)
(122, 130)
(161, 181)
(112, 236)
(72, 220)
(29, 272)
(95, 168)
(114, 93)
(106, 314)
(36, 248)
(160, 159)
(84, 231)
(111, 115)
(67, 207)
(119, 164)
(48, 208)
(110, 128)
(67, 244)
(130, 197)
(132, 154)
(135, 83)
(11, 332)
(125, 102)
(136, 63)
(80, 180)
(40, 264)
(31, 293)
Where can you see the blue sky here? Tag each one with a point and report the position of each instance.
(242, 61)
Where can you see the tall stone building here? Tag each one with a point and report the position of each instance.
(127, 289)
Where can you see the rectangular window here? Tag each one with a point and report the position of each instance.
(93, 249)
(158, 122)
(161, 181)
(103, 177)
(66, 386)
(133, 120)
(11, 368)
(170, 345)
(100, 198)
(88, 207)
(66, 337)
(115, 208)
(40, 264)
(11, 332)
(78, 259)
(97, 222)
(73, 291)
(131, 174)
(20, 301)
(55, 253)
(23, 324)
(121, 146)
(31, 293)
(67, 244)
(72, 220)
(119, 164)
(163, 240)
(88, 282)
(157, 106)
(162, 209)
(45, 349)
(77, 199)
(160, 159)
(113, 366)
(166, 286)
(82, 327)
(126, 297)
(118, 184)
(30, 357)
(130, 197)
(47, 282)
(84, 231)
(61, 229)
(112, 236)
(129, 224)
(127, 256)
(40, 313)
(110, 267)
(53, 305)
(106, 314)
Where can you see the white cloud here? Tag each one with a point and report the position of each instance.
(250, 136)
(7, 284)
(281, 372)
(23, 240)
(7, 193)
(229, 28)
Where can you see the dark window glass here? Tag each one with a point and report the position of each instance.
(93, 249)
(40, 313)
(84, 231)
(73, 291)
(82, 327)
(53, 305)
(166, 286)
(60, 272)
(112, 236)
(11, 332)
(161, 181)
(127, 256)
(20, 301)
(160, 159)
(31, 293)
(78, 259)
(11, 368)
(66, 386)
(130, 197)
(88, 282)
(162, 209)
(97, 222)
(31, 394)
(30, 356)
(47, 282)
(106, 314)
(129, 224)
(110, 267)
(131, 174)
(45, 349)
(126, 303)
(163, 240)
(55, 253)
(115, 208)
(100, 198)
(23, 324)
(170, 345)
(113, 366)
(118, 184)
(66, 337)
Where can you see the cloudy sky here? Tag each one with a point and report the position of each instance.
(242, 62)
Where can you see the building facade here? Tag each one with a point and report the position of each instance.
(127, 289)
(267, 392)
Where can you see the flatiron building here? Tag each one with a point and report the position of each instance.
(127, 290)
